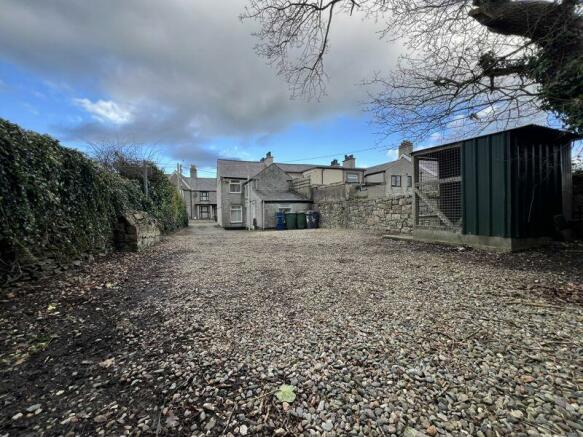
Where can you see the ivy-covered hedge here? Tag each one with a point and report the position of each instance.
(56, 204)
(164, 201)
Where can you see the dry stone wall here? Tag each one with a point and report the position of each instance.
(391, 214)
(136, 231)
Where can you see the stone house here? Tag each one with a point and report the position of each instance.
(267, 193)
(200, 195)
(396, 177)
(233, 198)
(332, 174)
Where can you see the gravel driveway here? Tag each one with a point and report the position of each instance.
(377, 337)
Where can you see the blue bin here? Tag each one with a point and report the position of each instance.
(280, 221)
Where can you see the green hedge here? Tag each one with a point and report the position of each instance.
(56, 204)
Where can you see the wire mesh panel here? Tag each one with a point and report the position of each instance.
(437, 187)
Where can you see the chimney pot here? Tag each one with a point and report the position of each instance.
(406, 148)
(268, 160)
(349, 161)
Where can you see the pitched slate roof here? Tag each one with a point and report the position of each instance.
(184, 181)
(385, 166)
(248, 169)
(203, 184)
(230, 168)
(258, 175)
(195, 184)
(432, 169)
(295, 168)
(238, 169)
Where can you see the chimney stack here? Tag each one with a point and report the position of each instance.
(349, 161)
(335, 163)
(406, 148)
(268, 160)
(193, 171)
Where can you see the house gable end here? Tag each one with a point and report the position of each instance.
(272, 178)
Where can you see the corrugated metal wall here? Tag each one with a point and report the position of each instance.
(513, 183)
(537, 189)
(486, 185)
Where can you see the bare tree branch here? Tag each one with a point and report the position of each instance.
(486, 61)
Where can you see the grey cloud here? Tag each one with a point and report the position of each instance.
(187, 67)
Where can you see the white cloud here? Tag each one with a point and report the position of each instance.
(486, 112)
(106, 111)
(185, 70)
(435, 138)
(393, 154)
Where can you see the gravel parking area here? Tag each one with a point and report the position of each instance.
(377, 337)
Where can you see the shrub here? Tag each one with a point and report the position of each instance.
(57, 204)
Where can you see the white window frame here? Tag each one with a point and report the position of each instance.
(355, 175)
(233, 183)
(238, 208)
(204, 196)
(398, 178)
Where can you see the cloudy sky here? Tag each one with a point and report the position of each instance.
(180, 76)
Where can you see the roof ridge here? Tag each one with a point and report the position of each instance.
(280, 163)
(237, 160)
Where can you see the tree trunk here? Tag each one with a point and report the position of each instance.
(535, 20)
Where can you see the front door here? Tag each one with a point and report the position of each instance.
(204, 212)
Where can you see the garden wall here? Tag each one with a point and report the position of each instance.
(392, 214)
(56, 205)
(135, 231)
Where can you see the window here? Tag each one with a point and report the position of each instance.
(204, 196)
(352, 178)
(234, 186)
(395, 181)
(236, 214)
(409, 181)
(284, 209)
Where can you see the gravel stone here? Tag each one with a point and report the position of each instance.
(377, 337)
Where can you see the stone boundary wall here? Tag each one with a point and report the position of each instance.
(331, 193)
(136, 231)
(391, 214)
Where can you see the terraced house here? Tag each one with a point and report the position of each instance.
(248, 196)
(200, 195)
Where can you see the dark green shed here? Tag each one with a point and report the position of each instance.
(502, 189)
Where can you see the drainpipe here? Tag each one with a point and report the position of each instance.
(263, 214)
(248, 203)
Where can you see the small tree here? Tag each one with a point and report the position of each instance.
(136, 162)
(486, 61)
(126, 159)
